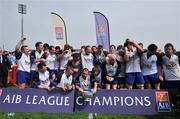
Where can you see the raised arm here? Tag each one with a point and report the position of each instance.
(139, 48)
(19, 44)
(126, 55)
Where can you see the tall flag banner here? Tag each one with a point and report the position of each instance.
(59, 30)
(102, 30)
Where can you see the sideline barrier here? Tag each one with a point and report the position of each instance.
(35, 100)
(146, 102)
(136, 102)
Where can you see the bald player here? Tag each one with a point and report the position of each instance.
(110, 71)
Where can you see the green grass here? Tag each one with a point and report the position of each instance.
(20, 115)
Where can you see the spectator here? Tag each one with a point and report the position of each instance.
(5, 65)
(12, 58)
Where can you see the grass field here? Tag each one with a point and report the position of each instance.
(19, 115)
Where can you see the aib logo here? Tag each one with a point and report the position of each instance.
(162, 101)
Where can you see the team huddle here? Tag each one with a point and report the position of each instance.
(91, 68)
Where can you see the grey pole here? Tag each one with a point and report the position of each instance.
(22, 10)
(22, 31)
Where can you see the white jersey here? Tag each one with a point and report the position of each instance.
(101, 57)
(87, 61)
(133, 65)
(37, 56)
(111, 69)
(65, 81)
(44, 79)
(24, 63)
(171, 68)
(50, 61)
(84, 83)
(149, 65)
(64, 60)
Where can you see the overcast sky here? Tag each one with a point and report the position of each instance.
(146, 21)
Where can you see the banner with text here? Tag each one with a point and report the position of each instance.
(136, 102)
(35, 100)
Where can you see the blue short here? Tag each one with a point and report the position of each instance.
(153, 78)
(32, 74)
(23, 77)
(121, 80)
(135, 77)
(115, 81)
